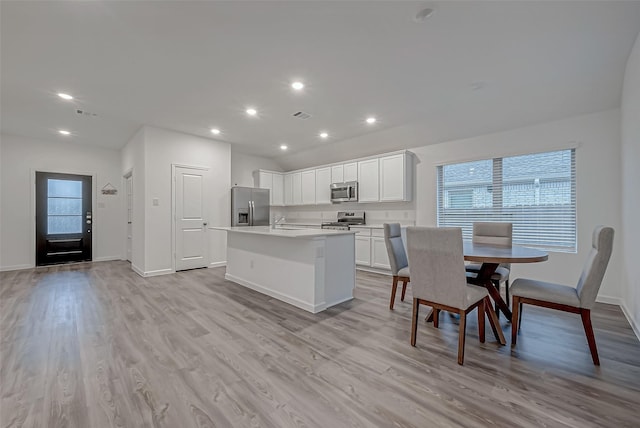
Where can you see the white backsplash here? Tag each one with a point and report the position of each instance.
(376, 214)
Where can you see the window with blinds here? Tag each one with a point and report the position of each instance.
(535, 192)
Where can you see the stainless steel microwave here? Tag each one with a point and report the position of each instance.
(344, 192)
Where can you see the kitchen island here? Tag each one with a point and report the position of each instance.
(312, 269)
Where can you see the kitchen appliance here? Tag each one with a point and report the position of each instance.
(249, 206)
(344, 192)
(345, 219)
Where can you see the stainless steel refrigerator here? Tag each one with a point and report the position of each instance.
(249, 206)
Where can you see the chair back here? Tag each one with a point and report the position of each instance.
(493, 233)
(594, 269)
(395, 247)
(437, 265)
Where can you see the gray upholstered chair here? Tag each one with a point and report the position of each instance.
(494, 233)
(577, 300)
(440, 281)
(397, 259)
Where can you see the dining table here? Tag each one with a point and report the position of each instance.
(491, 256)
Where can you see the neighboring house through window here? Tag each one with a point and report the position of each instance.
(536, 192)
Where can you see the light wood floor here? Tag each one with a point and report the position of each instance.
(95, 345)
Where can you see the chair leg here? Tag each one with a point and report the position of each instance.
(394, 287)
(520, 317)
(495, 306)
(414, 321)
(436, 317)
(404, 289)
(591, 339)
(462, 333)
(481, 321)
(515, 317)
(506, 292)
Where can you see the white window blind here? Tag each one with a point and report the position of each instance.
(535, 192)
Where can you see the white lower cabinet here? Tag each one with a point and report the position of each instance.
(379, 256)
(363, 250)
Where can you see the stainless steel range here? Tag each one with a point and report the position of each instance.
(345, 219)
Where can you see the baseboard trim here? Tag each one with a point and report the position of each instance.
(107, 259)
(217, 264)
(609, 300)
(158, 272)
(276, 295)
(634, 325)
(16, 267)
(373, 270)
(137, 270)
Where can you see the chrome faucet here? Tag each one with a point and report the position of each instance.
(278, 221)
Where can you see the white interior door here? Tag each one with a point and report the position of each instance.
(191, 243)
(129, 191)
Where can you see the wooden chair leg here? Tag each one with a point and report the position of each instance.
(495, 306)
(462, 333)
(520, 317)
(481, 316)
(506, 292)
(515, 317)
(394, 287)
(591, 339)
(404, 289)
(414, 322)
(436, 317)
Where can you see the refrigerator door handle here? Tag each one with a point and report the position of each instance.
(250, 213)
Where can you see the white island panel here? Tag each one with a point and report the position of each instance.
(313, 272)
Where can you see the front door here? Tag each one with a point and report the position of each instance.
(191, 243)
(63, 218)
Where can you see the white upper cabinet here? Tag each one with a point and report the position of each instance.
(337, 174)
(368, 181)
(396, 178)
(288, 189)
(385, 178)
(277, 190)
(308, 187)
(323, 182)
(296, 178)
(351, 171)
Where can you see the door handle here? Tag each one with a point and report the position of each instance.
(204, 223)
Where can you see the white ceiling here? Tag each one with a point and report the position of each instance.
(189, 66)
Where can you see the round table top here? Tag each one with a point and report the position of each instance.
(498, 254)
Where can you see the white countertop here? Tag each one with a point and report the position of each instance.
(284, 232)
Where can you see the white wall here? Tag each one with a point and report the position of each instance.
(598, 185)
(630, 153)
(133, 162)
(162, 148)
(243, 165)
(20, 158)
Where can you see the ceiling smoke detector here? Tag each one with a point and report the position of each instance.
(423, 15)
(301, 115)
(85, 113)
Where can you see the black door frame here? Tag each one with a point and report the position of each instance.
(34, 205)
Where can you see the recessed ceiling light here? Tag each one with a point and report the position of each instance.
(283, 147)
(371, 120)
(215, 131)
(324, 135)
(252, 111)
(64, 132)
(65, 96)
(297, 86)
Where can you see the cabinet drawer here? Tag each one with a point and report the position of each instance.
(377, 232)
